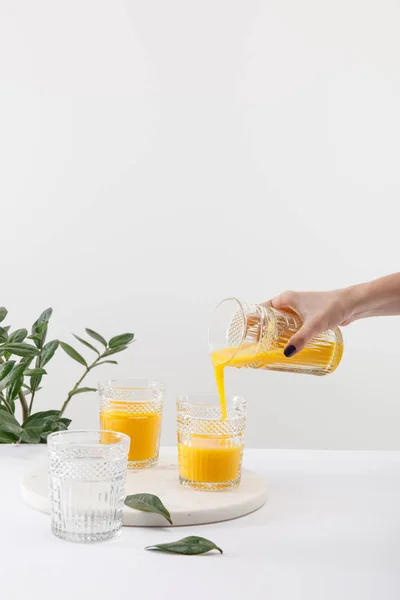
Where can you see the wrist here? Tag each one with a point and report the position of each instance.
(354, 300)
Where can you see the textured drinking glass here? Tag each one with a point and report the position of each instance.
(251, 335)
(134, 407)
(87, 483)
(210, 448)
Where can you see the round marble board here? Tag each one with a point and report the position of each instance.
(187, 507)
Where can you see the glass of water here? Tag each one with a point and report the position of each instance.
(87, 483)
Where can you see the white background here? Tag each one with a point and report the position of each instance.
(158, 156)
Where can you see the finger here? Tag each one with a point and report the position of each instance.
(285, 300)
(303, 336)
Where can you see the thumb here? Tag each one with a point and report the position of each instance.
(302, 336)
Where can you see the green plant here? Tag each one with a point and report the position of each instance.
(20, 380)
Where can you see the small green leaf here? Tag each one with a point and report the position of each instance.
(17, 336)
(48, 351)
(14, 374)
(47, 414)
(73, 353)
(3, 335)
(32, 372)
(85, 343)
(96, 336)
(114, 350)
(81, 391)
(7, 438)
(45, 316)
(148, 503)
(5, 368)
(9, 424)
(121, 340)
(189, 545)
(3, 313)
(14, 388)
(29, 436)
(104, 362)
(21, 349)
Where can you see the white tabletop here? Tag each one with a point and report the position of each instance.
(330, 530)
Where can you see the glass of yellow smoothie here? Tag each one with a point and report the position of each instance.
(210, 441)
(134, 407)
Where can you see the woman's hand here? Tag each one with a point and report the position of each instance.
(319, 311)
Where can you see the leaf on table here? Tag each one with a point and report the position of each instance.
(96, 336)
(189, 545)
(85, 343)
(121, 340)
(148, 503)
(73, 353)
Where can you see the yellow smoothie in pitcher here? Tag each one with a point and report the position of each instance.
(315, 358)
(209, 459)
(142, 427)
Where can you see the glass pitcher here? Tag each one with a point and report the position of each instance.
(242, 334)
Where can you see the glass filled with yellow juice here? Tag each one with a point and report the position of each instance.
(210, 444)
(134, 407)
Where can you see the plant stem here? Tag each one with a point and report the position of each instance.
(36, 379)
(78, 383)
(24, 405)
(6, 404)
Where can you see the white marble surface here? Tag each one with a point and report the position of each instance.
(186, 506)
(329, 531)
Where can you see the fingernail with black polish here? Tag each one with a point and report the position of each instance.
(289, 351)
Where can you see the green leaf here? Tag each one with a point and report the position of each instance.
(85, 343)
(45, 316)
(7, 438)
(96, 336)
(114, 350)
(40, 425)
(73, 353)
(121, 340)
(189, 545)
(17, 336)
(14, 374)
(9, 424)
(32, 372)
(5, 368)
(104, 362)
(3, 335)
(81, 391)
(3, 313)
(148, 503)
(28, 436)
(20, 349)
(14, 388)
(47, 414)
(48, 351)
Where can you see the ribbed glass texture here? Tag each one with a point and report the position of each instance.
(87, 483)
